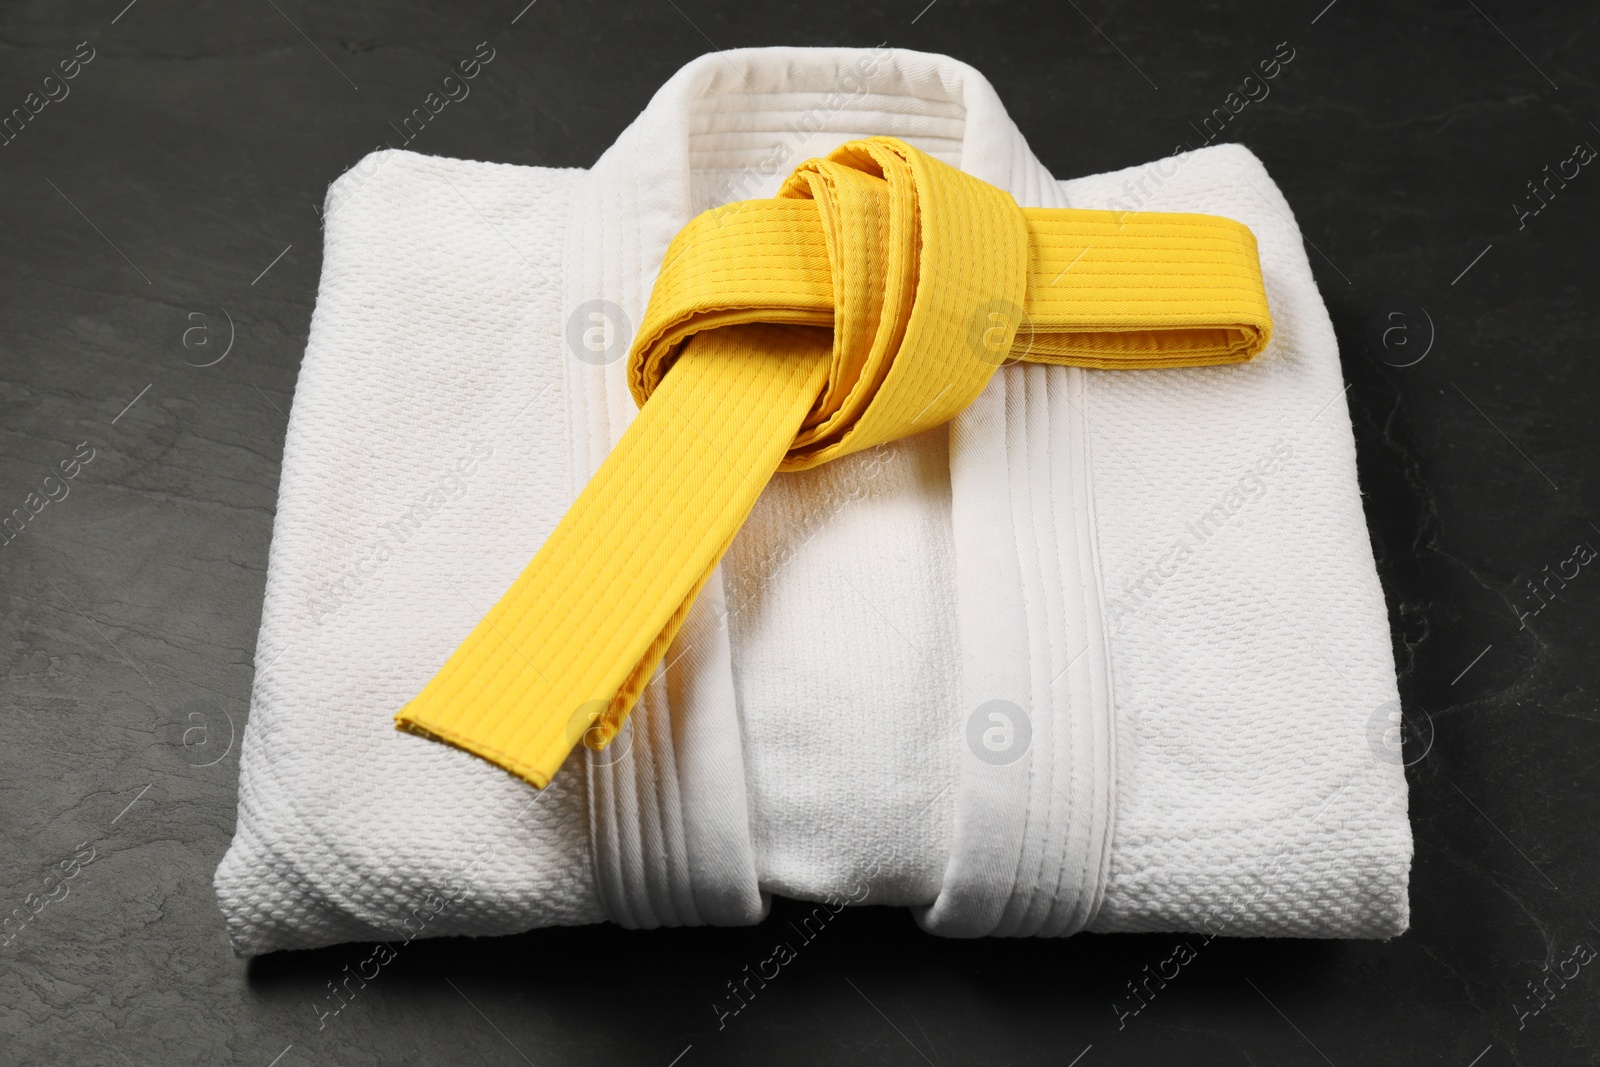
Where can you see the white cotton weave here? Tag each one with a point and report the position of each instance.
(1159, 581)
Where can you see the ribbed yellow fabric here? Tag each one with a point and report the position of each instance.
(872, 299)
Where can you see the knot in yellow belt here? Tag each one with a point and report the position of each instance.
(872, 299)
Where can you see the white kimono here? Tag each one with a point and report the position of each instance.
(1108, 652)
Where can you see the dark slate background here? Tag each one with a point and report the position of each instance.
(138, 214)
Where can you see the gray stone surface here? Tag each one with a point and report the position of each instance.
(167, 205)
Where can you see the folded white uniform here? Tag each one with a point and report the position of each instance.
(1108, 652)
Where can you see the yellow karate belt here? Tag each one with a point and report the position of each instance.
(871, 299)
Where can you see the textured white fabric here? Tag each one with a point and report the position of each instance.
(1109, 652)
